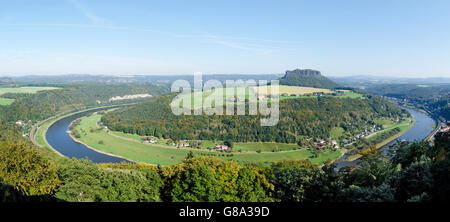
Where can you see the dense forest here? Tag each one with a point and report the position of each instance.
(434, 98)
(299, 118)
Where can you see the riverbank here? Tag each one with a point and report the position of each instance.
(60, 142)
(99, 151)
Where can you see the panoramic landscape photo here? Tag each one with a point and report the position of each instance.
(225, 101)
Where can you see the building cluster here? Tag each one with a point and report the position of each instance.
(150, 140)
(322, 144)
(221, 147)
(24, 126)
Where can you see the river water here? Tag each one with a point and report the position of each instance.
(423, 126)
(58, 138)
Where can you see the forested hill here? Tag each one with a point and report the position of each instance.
(434, 97)
(299, 118)
(308, 78)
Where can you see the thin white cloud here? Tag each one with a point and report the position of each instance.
(96, 20)
(247, 44)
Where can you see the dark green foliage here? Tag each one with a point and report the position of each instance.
(84, 181)
(195, 184)
(212, 179)
(406, 155)
(293, 179)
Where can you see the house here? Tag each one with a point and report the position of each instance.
(153, 140)
(221, 147)
(19, 122)
(446, 129)
(184, 144)
(335, 144)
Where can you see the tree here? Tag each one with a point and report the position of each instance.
(197, 183)
(292, 179)
(26, 170)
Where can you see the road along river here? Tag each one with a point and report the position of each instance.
(60, 140)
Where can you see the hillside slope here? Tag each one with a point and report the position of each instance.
(299, 118)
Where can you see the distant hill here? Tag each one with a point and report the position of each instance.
(307, 77)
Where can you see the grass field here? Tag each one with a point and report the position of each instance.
(40, 134)
(7, 101)
(27, 89)
(264, 147)
(121, 145)
(351, 95)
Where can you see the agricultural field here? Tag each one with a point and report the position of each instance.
(263, 90)
(27, 89)
(237, 95)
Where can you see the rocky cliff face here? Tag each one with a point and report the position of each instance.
(302, 72)
(307, 77)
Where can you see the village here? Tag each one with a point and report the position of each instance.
(311, 143)
(186, 144)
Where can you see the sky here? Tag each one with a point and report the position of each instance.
(408, 38)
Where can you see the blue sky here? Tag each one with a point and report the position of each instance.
(388, 38)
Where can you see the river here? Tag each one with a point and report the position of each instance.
(58, 138)
(423, 126)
